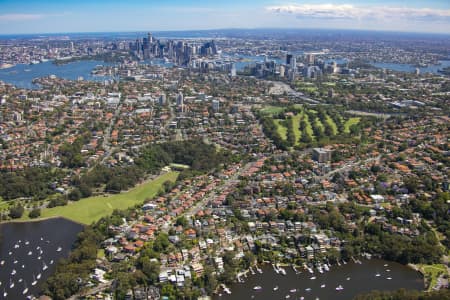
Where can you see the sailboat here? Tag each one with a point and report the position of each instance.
(34, 280)
(25, 290)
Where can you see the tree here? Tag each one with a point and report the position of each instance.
(181, 221)
(75, 194)
(151, 270)
(16, 211)
(34, 213)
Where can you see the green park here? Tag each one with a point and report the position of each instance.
(91, 209)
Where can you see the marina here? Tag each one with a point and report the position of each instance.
(343, 282)
(28, 251)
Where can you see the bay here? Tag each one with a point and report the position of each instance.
(21, 75)
(411, 69)
(354, 279)
(30, 249)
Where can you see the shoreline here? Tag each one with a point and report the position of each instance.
(6, 66)
(41, 219)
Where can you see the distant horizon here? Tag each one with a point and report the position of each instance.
(228, 29)
(53, 16)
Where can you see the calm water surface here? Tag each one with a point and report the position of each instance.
(411, 69)
(21, 75)
(354, 278)
(27, 248)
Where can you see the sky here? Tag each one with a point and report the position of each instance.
(58, 16)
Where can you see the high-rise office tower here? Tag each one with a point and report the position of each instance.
(180, 99)
(288, 59)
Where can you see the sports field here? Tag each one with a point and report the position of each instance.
(91, 209)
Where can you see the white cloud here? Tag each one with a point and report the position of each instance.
(20, 17)
(28, 17)
(349, 11)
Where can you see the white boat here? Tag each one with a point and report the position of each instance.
(319, 268)
(20, 280)
(38, 276)
(386, 265)
(13, 272)
(27, 242)
(287, 296)
(388, 270)
(51, 262)
(23, 266)
(11, 284)
(44, 267)
(276, 288)
(2, 262)
(16, 261)
(325, 266)
(312, 278)
(34, 280)
(257, 288)
(377, 275)
(322, 286)
(339, 288)
(42, 238)
(258, 269)
(308, 289)
(39, 257)
(30, 253)
(348, 278)
(59, 249)
(275, 269)
(25, 290)
(4, 293)
(389, 278)
(16, 246)
(282, 271)
(292, 290)
(9, 253)
(40, 252)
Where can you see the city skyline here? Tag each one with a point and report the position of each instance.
(51, 16)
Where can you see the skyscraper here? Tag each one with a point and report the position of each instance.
(288, 59)
(180, 99)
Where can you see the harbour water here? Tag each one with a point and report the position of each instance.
(29, 252)
(22, 75)
(354, 278)
(411, 69)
